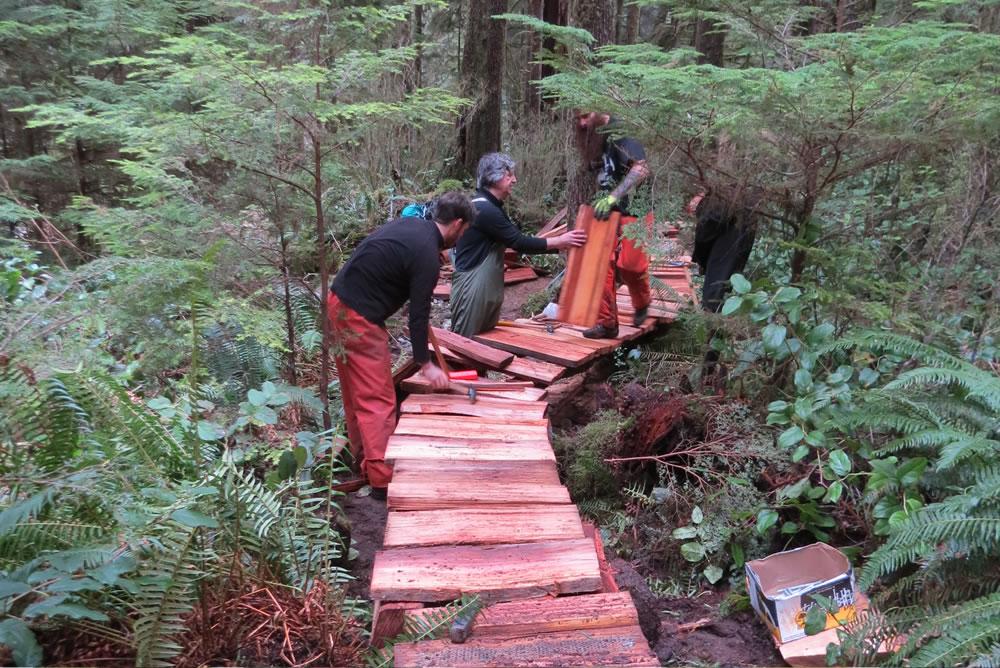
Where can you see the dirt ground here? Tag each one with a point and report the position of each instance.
(737, 640)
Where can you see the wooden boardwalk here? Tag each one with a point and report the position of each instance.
(476, 507)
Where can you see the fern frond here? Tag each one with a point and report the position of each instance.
(25, 510)
(978, 384)
(166, 584)
(877, 341)
(967, 447)
(956, 635)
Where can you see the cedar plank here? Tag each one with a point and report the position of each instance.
(495, 572)
(616, 646)
(430, 495)
(465, 472)
(445, 404)
(539, 371)
(547, 615)
(422, 447)
(519, 275)
(419, 385)
(458, 526)
(484, 354)
(472, 428)
(560, 337)
(587, 269)
(564, 355)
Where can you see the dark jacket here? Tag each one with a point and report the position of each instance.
(492, 225)
(397, 262)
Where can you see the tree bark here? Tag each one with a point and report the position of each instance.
(533, 71)
(632, 24)
(482, 79)
(597, 17)
(709, 41)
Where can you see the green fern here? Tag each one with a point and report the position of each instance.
(166, 591)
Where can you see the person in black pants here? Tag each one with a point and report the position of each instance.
(723, 240)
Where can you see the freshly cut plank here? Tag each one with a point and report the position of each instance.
(538, 371)
(519, 275)
(547, 615)
(442, 290)
(460, 473)
(482, 526)
(552, 223)
(587, 268)
(424, 447)
(495, 572)
(418, 384)
(479, 428)
(557, 352)
(560, 337)
(617, 646)
(491, 357)
(430, 495)
(448, 404)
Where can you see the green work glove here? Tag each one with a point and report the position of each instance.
(602, 207)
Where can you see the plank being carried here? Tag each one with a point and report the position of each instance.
(587, 268)
(494, 572)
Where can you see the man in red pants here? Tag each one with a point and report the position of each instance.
(396, 263)
(620, 164)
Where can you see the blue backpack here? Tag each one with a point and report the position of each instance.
(414, 210)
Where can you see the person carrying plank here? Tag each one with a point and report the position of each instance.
(397, 262)
(477, 284)
(620, 164)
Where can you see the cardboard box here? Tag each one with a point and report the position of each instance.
(781, 588)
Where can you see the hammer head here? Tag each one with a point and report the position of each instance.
(472, 395)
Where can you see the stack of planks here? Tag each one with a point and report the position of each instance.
(476, 507)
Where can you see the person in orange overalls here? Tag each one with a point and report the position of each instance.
(399, 262)
(620, 164)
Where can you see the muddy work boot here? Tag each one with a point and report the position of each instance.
(640, 316)
(600, 331)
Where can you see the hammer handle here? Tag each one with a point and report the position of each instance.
(437, 350)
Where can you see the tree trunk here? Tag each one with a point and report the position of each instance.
(597, 18)
(482, 79)
(417, 38)
(632, 24)
(533, 71)
(556, 13)
(324, 283)
(290, 361)
(709, 41)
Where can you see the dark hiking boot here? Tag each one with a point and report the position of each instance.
(640, 316)
(379, 493)
(601, 332)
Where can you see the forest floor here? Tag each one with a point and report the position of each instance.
(682, 631)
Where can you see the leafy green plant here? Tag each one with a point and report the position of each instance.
(131, 527)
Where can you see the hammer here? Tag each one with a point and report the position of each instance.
(468, 389)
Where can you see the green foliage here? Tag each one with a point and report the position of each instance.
(130, 525)
(582, 455)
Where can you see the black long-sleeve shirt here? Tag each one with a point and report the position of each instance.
(397, 262)
(492, 225)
